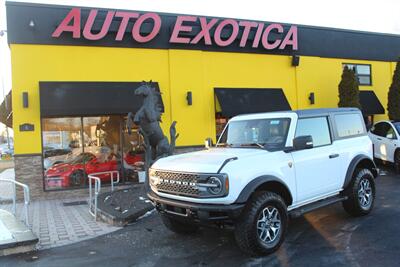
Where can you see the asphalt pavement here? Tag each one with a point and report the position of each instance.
(327, 237)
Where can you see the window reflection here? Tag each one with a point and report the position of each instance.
(133, 150)
(73, 148)
(61, 143)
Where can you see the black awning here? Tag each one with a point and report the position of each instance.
(235, 101)
(59, 99)
(6, 111)
(370, 103)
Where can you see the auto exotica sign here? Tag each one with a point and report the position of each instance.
(212, 31)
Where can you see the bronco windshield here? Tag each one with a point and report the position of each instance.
(268, 134)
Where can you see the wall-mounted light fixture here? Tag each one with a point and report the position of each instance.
(25, 101)
(311, 97)
(189, 98)
(295, 60)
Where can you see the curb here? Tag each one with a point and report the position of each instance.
(119, 221)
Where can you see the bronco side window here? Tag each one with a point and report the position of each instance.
(317, 127)
(348, 125)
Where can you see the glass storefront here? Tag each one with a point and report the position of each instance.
(75, 147)
(220, 123)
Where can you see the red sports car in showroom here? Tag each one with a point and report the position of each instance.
(74, 172)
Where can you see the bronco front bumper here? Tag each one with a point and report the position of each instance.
(195, 211)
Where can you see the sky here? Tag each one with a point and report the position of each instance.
(366, 15)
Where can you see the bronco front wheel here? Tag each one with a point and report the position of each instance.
(262, 226)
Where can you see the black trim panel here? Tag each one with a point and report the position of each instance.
(237, 101)
(59, 99)
(370, 103)
(28, 155)
(6, 115)
(352, 167)
(254, 184)
(232, 210)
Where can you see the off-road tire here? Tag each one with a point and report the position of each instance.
(353, 204)
(179, 226)
(246, 233)
(396, 160)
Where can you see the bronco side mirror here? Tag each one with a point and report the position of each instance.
(303, 142)
(208, 143)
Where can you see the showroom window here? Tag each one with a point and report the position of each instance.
(61, 143)
(362, 71)
(74, 148)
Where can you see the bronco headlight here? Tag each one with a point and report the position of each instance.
(215, 186)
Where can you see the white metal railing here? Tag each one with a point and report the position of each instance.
(97, 187)
(14, 199)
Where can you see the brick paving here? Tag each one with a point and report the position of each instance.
(6, 187)
(54, 223)
(58, 225)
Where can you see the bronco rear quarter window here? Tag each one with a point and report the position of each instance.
(348, 125)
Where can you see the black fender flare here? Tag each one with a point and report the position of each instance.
(352, 167)
(251, 187)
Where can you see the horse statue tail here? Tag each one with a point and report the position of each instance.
(173, 137)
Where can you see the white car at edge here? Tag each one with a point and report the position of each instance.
(386, 141)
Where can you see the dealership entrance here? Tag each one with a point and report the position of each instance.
(84, 132)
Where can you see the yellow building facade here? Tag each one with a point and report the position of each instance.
(37, 57)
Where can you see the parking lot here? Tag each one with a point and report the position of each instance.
(327, 237)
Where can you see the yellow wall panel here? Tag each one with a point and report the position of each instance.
(322, 76)
(187, 74)
(236, 70)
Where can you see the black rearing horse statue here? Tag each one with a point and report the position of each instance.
(148, 117)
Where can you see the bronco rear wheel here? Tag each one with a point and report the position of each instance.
(360, 193)
(262, 226)
(179, 226)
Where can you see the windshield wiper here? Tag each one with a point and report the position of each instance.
(223, 145)
(254, 144)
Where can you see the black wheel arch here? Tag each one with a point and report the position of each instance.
(395, 152)
(267, 183)
(359, 161)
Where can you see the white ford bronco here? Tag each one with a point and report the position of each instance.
(267, 168)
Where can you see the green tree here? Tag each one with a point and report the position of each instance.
(348, 89)
(393, 106)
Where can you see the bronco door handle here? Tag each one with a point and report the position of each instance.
(331, 156)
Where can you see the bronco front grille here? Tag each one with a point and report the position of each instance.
(178, 183)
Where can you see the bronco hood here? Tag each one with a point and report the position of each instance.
(205, 161)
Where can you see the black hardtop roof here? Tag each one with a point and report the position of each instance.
(323, 111)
